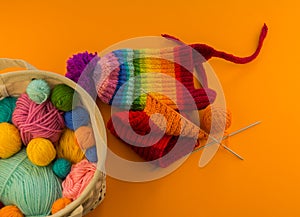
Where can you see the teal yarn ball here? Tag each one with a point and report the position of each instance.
(38, 90)
(7, 107)
(61, 167)
(91, 154)
(62, 97)
(31, 188)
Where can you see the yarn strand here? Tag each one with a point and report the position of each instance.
(208, 52)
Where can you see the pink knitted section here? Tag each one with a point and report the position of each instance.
(110, 68)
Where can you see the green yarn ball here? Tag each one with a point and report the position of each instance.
(62, 97)
(7, 107)
(61, 168)
(38, 90)
(31, 188)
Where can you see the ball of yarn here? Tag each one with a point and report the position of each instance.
(63, 97)
(11, 211)
(85, 137)
(76, 118)
(7, 107)
(77, 63)
(61, 167)
(59, 204)
(37, 120)
(218, 116)
(10, 140)
(91, 154)
(38, 90)
(80, 176)
(68, 148)
(40, 151)
(31, 188)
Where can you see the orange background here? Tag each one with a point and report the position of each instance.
(267, 182)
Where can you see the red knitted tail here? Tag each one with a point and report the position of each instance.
(208, 52)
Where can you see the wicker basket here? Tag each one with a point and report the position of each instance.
(14, 83)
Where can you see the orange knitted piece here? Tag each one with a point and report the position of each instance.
(176, 124)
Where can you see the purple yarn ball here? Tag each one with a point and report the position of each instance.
(77, 63)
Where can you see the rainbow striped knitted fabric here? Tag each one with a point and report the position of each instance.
(123, 77)
(126, 75)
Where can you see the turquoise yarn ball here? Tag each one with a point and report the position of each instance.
(7, 107)
(76, 118)
(38, 91)
(91, 154)
(61, 167)
(31, 188)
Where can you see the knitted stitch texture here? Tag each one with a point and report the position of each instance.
(163, 151)
(156, 70)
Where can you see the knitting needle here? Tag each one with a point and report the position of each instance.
(214, 139)
(229, 135)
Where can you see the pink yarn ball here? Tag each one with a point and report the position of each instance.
(80, 176)
(37, 120)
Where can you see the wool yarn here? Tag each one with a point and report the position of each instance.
(11, 211)
(40, 151)
(78, 179)
(76, 118)
(85, 137)
(121, 66)
(37, 120)
(68, 148)
(176, 124)
(61, 168)
(38, 90)
(60, 204)
(77, 63)
(154, 148)
(215, 123)
(91, 154)
(63, 97)
(7, 107)
(31, 188)
(10, 140)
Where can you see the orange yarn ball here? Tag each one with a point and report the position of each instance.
(220, 118)
(85, 137)
(59, 204)
(11, 211)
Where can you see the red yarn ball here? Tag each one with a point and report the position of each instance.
(37, 120)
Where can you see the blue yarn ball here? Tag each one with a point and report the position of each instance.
(33, 189)
(38, 91)
(7, 107)
(76, 118)
(91, 154)
(61, 167)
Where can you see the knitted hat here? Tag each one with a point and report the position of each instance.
(161, 150)
(142, 71)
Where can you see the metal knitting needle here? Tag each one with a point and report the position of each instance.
(229, 135)
(214, 139)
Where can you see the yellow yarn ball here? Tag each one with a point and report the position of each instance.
(11, 211)
(60, 204)
(68, 148)
(41, 151)
(10, 140)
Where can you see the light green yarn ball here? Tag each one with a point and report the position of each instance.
(38, 91)
(31, 188)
